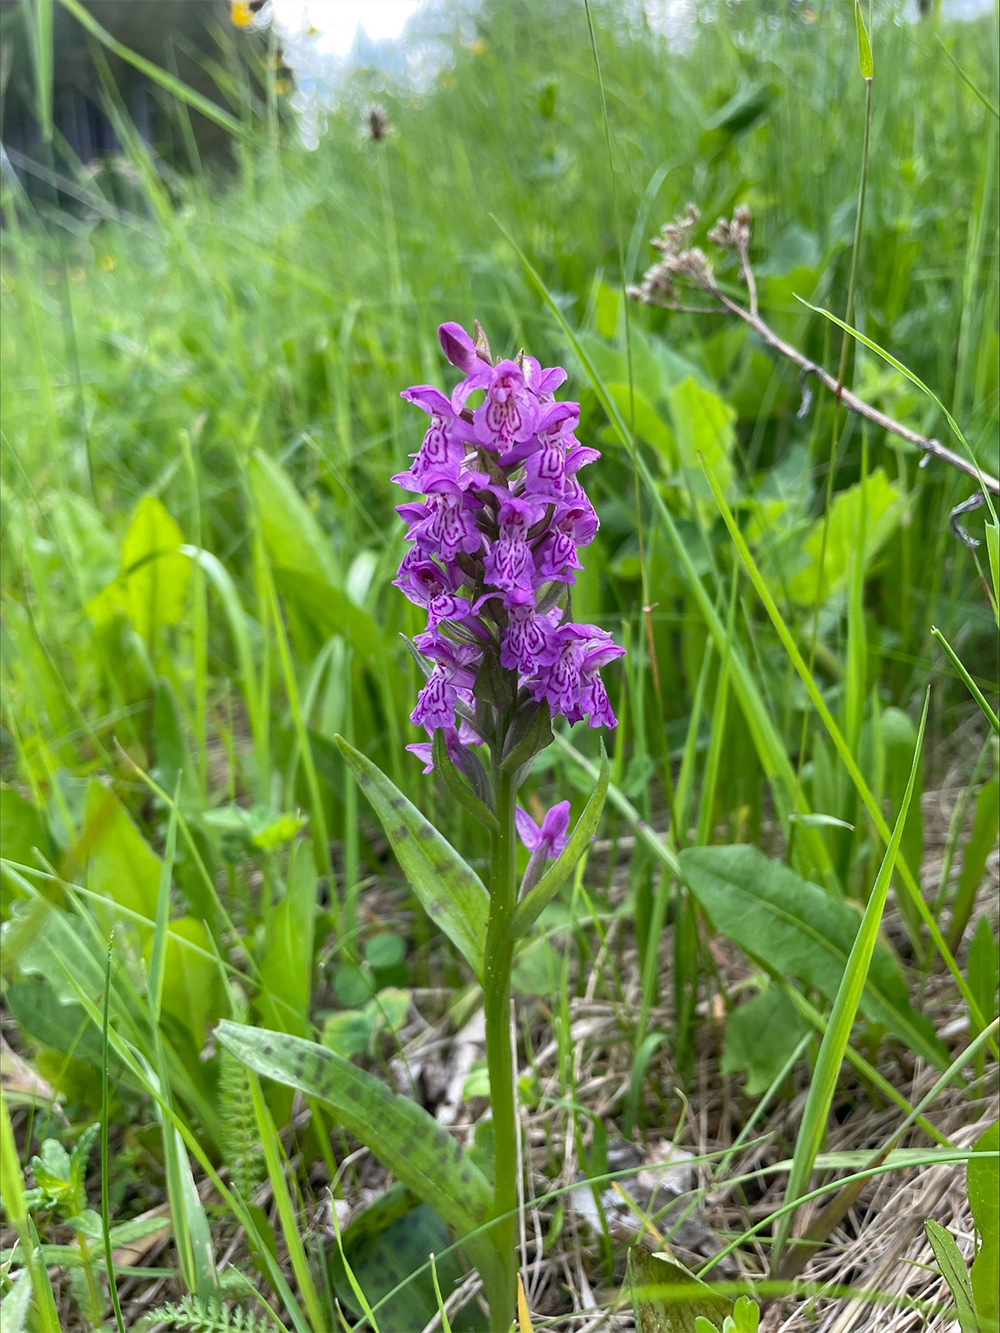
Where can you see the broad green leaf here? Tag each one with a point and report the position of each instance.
(292, 536)
(760, 1037)
(667, 1298)
(287, 965)
(21, 831)
(451, 892)
(882, 502)
(952, 1266)
(192, 987)
(983, 1185)
(703, 424)
(529, 910)
(156, 574)
(864, 45)
(121, 865)
(457, 784)
(387, 1245)
(636, 408)
(400, 1133)
(797, 929)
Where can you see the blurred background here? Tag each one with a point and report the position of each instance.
(228, 234)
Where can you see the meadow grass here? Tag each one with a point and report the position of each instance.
(201, 415)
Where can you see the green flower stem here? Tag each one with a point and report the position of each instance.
(499, 1058)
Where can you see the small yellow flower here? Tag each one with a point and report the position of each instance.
(240, 13)
(106, 263)
(480, 46)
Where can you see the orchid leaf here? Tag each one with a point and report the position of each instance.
(401, 1134)
(528, 911)
(451, 892)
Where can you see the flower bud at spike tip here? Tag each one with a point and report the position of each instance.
(495, 530)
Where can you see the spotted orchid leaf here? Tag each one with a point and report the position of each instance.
(401, 1134)
(450, 891)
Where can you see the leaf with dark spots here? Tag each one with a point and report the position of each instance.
(450, 891)
(400, 1133)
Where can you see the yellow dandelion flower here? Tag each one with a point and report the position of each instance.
(240, 13)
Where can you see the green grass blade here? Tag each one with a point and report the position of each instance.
(970, 684)
(105, 1146)
(17, 1213)
(835, 1041)
(843, 750)
(286, 1211)
(175, 87)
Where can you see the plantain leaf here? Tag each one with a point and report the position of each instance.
(414, 1147)
(529, 910)
(797, 929)
(451, 892)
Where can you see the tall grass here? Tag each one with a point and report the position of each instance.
(201, 417)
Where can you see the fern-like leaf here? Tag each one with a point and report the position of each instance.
(240, 1142)
(210, 1317)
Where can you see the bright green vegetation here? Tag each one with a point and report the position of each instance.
(201, 382)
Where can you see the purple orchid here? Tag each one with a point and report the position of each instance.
(445, 443)
(493, 553)
(438, 590)
(510, 411)
(508, 562)
(494, 530)
(551, 838)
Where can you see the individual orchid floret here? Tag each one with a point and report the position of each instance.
(451, 678)
(545, 467)
(457, 740)
(551, 837)
(446, 523)
(438, 590)
(508, 415)
(556, 557)
(568, 675)
(542, 382)
(462, 352)
(544, 843)
(508, 564)
(525, 637)
(448, 436)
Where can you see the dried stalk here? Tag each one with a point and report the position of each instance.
(688, 267)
